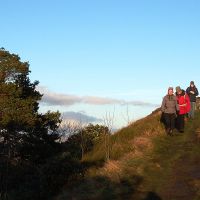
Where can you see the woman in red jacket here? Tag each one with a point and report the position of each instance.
(184, 107)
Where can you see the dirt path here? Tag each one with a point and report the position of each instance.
(184, 182)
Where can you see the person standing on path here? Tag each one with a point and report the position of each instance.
(192, 92)
(184, 107)
(169, 108)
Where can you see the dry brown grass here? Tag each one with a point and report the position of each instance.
(114, 169)
(111, 169)
(142, 144)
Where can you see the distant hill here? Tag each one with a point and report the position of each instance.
(145, 164)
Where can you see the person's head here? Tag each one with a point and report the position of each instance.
(178, 90)
(170, 91)
(192, 83)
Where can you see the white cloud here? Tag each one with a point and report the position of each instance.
(56, 99)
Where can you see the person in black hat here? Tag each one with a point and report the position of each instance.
(192, 92)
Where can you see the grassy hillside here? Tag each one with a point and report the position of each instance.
(145, 164)
(126, 140)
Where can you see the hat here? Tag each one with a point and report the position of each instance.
(178, 89)
(170, 88)
(191, 82)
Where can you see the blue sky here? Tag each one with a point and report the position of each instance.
(97, 56)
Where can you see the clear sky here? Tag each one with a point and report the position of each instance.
(96, 56)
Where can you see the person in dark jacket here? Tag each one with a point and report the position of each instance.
(184, 108)
(169, 108)
(192, 92)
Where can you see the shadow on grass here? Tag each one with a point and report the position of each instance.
(102, 188)
(152, 196)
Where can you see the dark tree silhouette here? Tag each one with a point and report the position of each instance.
(32, 163)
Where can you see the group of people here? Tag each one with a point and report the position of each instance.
(175, 107)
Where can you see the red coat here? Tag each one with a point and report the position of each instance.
(184, 103)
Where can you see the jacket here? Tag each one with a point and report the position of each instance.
(192, 96)
(169, 104)
(183, 101)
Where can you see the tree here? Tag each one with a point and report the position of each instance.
(91, 134)
(83, 141)
(25, 134)
(108, 122)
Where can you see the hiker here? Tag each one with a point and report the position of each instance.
(192, 92)
(184, 107)
(169, 108)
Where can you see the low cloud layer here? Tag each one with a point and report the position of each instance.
(80, 117)
(55, 99)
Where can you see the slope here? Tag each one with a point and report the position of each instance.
(144, 164)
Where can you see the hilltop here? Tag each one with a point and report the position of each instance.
(144, 164)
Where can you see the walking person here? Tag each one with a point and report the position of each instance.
(169, 108)
(184, 107)
(192, 92)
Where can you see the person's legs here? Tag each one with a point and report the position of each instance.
(178, 122)
(182, 123)
(172, 121)
(192, 109)
(167, 122)
(193, 105)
